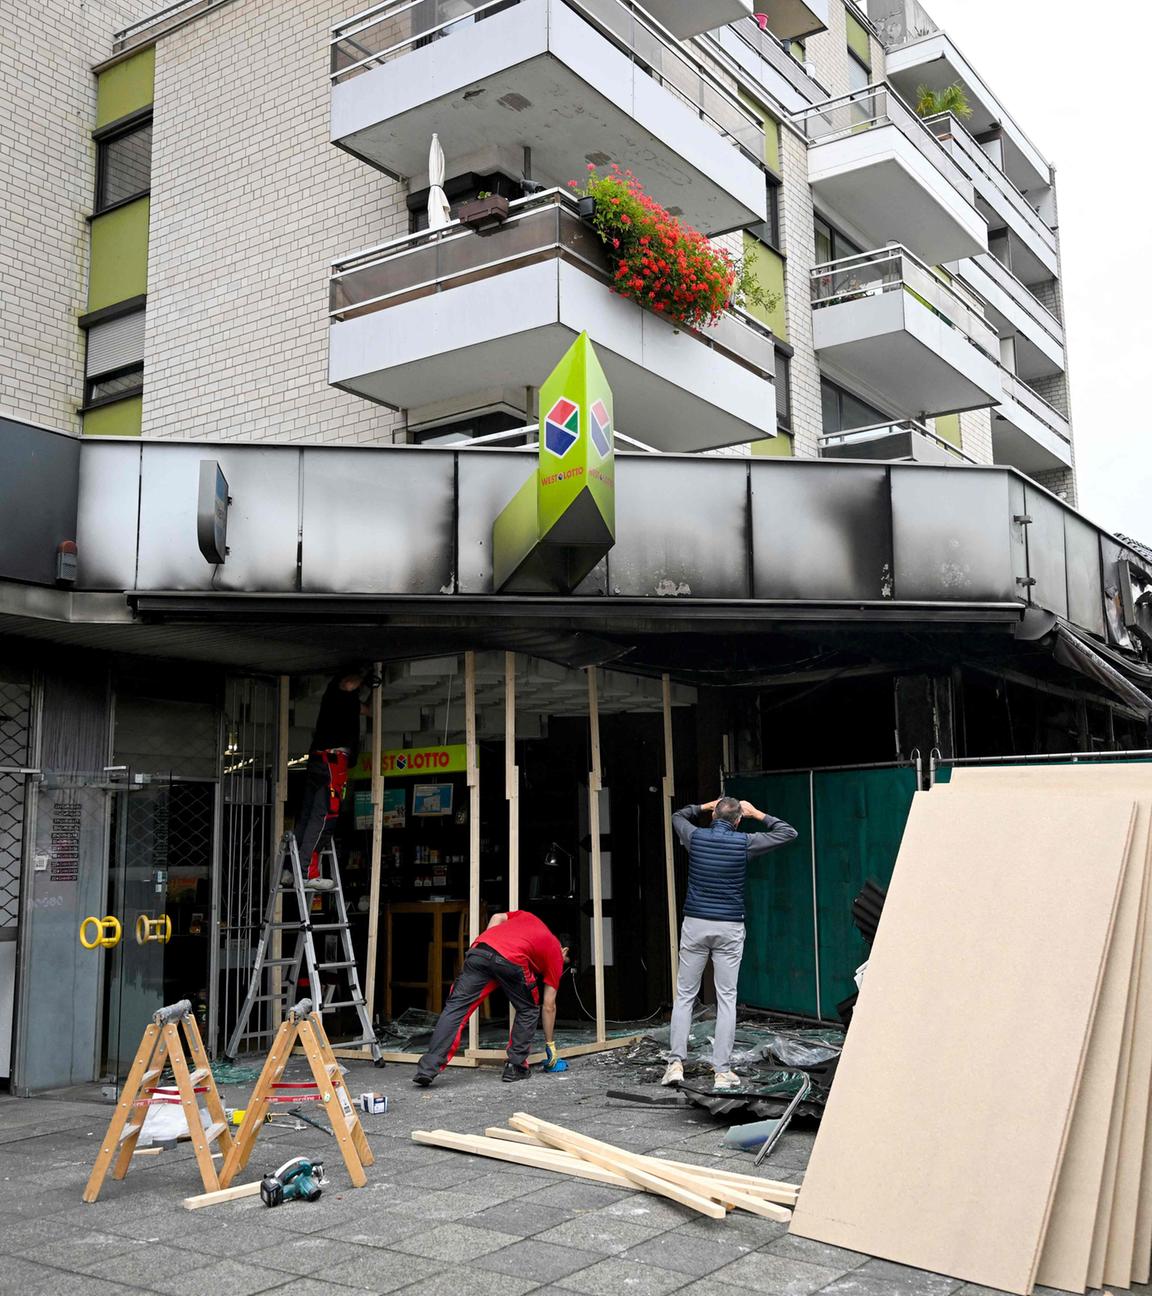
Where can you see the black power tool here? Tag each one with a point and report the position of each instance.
(299, 1178)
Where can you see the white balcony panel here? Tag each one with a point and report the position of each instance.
(795, 19)
(539, 77)
(1027, 433)
(1016, 313)
(895, 349)
(935, 62)
(685, 18)
(891, 192)
(671, 390)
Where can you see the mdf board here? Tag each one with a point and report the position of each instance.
(1106, 1150)
(996, 925)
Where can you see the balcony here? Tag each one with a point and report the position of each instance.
(1016, 313)
(685, 18)
(928, 57)
(907, 442)
(442, 315)
(542, 88)
(902, 337)
(1027, 432)
(795, 19)
(1033, 246)
(872, 159)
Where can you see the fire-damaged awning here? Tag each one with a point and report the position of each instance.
(1073, 651)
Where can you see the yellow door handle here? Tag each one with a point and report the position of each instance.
(107, 933)
(153, 929)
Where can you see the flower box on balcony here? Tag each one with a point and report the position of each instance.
(483, 214)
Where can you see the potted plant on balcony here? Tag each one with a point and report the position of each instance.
(952, 99)
(663, 265)
(487, 211)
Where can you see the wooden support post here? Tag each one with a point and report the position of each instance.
(377, 844)
(279, 797)
(511, 780)
(473, 767)
(595, 775)
(669, 791)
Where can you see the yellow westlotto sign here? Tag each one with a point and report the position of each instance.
(402, 761)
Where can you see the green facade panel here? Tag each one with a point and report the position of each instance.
(124, 418)
(858, 38)
(780, 446)
(125, 87)
(769, 271)
(119, 265)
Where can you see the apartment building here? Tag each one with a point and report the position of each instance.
(262, 414)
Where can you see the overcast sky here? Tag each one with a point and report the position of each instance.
(1076, 77)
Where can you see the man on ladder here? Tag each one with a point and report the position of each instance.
(334, 749)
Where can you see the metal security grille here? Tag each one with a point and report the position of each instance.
(249, 780)
(161, 736)
(15, 739)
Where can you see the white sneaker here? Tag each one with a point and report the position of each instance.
(674, 1073)
(727, 1080)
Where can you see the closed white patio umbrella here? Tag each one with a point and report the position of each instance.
(439, 213)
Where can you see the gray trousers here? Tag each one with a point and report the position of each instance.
(702, 939)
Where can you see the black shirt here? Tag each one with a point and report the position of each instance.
(338, 724)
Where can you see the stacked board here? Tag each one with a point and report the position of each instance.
(990, 1114)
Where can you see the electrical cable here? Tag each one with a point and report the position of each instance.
(616, 1021)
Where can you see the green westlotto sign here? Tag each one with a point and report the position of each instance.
(562, 521)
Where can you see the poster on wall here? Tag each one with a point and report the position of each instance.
(395, 807)
(362, 808)
(430, 799)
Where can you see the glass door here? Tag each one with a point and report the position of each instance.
(159, 890)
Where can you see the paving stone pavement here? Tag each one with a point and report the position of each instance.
(429, 1223)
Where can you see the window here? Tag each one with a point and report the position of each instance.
(831, 245)
(124, 165)
(783, 391)
(114, 368)
(768, 231)
(842, 412)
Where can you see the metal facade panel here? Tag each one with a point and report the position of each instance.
(378, 523)
(951, 531)
(1046, 564)
(38, 492)
(108, 519)
(821, 532)
(681, 528)
(1082, 553)
(487, 483)
(1018, 538)
(262, 519)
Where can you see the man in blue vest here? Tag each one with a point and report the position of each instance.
(714, 921)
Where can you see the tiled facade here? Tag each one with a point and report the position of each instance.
(48, 101)
(249, 207)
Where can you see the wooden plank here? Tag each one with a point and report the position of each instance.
(1092, 1233)
(783, 1193)
(223, 1195)
(511, 781)
(376, 845)
(595, 776)
(668, 792)
(365, 1055)
(473, 776)
(1003, 897)
(574, 1050)
(536, 1158)
(610, 1158)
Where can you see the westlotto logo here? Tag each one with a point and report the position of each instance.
(601, 429)
(562, 427)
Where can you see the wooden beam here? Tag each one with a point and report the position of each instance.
(610, 1158)
(377, 843)
(669, 791)
(536, 1158)
(595, 775)
(365, 1055)
(511, 781)
(575, 1050)
(473, 766)
(279, 797)
(223, 1195)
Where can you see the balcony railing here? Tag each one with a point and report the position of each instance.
(1037, 406)
(1004, 279)
(872, 107)
(974, 162)
(393, 29)
(895, 269)
(543, 227)
(779, 55)
(878, 431)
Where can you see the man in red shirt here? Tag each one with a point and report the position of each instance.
(517, 953)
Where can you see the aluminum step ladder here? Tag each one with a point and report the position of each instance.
(284, 973)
